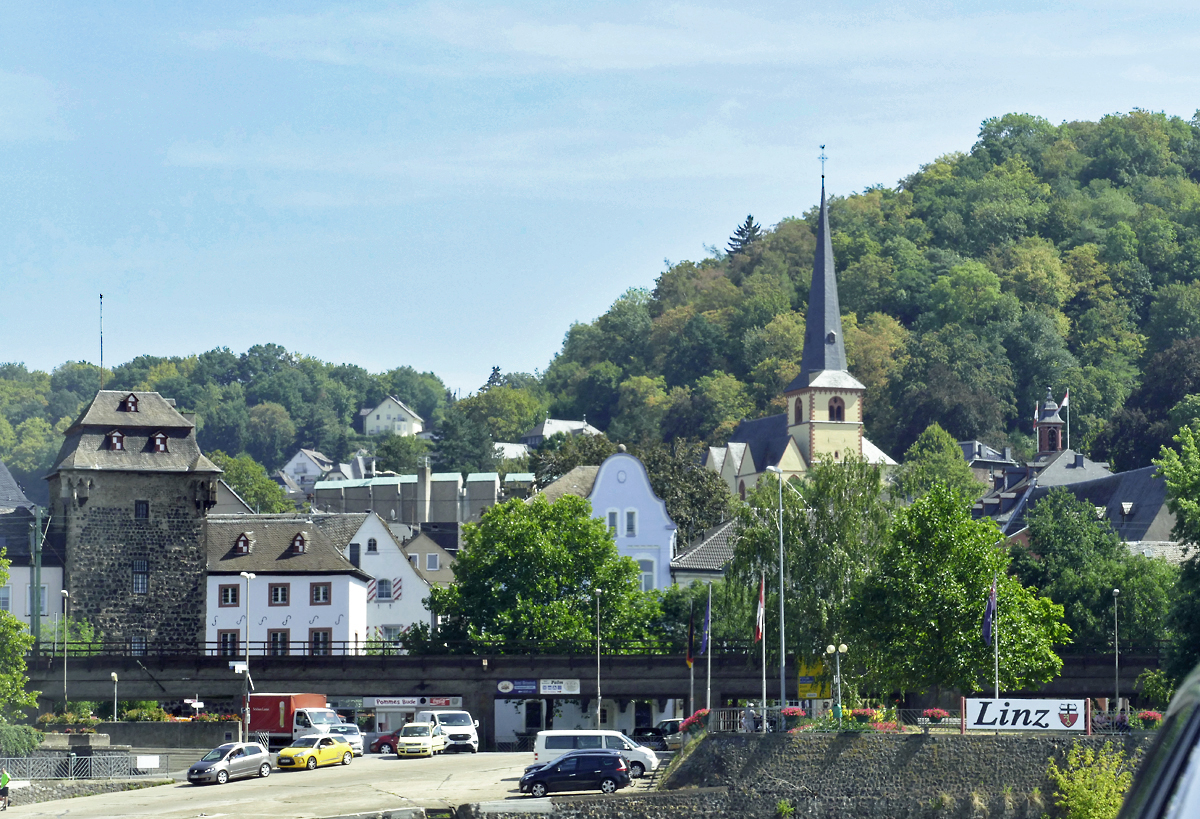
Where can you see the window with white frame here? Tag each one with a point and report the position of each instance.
(372, 545)
(29, 600)
(391, 634)
(6, 598)
(614, 517)
(383, 589)
(431, 562)
(630, 523)
(415, 560)
(646, 570)
(159, 442)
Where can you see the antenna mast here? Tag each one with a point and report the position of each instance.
(102, 343)
(822, 157)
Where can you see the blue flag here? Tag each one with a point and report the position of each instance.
(989, 615)
(707, 623)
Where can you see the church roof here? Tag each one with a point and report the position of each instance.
(766, 439)
(824, 347)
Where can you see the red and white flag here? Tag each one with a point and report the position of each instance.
(1066, 400)
(760, 622)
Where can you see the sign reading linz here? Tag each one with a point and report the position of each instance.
(1025, 715)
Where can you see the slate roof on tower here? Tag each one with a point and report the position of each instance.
(86, 445)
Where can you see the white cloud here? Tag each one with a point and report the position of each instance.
(29, 108)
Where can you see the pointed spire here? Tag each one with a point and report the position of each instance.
(824, 348)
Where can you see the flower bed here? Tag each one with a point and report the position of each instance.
(696, 721)
(1150, 719)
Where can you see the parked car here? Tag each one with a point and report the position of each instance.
(420, 739)
(233, 760)
(312, 751)
(459, 727)
(537, 766)
(386, 743)
(549, 744)
(351, 734)
(672, 734)
(598, 769)
(1167, 785)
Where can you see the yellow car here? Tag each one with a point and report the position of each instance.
(311, 751)
(420, 739)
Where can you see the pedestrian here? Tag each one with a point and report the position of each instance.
(748, 720)
(4, 779)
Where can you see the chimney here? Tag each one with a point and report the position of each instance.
(1008, 453)
(1079, 460)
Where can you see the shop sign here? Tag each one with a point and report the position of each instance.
(558, 686)
(417, 702)
(519, 688)
(1025, 715)
(346, 702)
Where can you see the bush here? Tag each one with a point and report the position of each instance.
(19, 740)
(154, 714)
(698, 719)
(1093, 783)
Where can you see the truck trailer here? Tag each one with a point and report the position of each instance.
(285, 717)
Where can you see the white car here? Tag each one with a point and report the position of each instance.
(351, 734)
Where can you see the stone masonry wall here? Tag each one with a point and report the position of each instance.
(44, 790)
(103, 539)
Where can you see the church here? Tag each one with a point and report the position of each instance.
(824, 415)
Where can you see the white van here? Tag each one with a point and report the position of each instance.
(552, 744)
(458, 726)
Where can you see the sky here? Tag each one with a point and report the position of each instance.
(450, 185)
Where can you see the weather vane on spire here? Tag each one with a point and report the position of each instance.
(822, 157)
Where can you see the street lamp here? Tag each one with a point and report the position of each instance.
(1116, 659)
(597, 593)
(248, 576)
(837, 675)
(782, 650)
(66, 596)
(114, 679)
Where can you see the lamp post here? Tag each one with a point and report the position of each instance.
(597, 593)
(1116, 659)
(114, 679)
(837, 675)
(782, 644)
(248, 576)
(66, 596)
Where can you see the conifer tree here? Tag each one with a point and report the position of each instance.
(747, 234)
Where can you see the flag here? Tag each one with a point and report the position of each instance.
(760, 622)
(1066, 399)
(989, 614)
(691, 633)
(707, 624)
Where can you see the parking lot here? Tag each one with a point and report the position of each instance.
(371, 783)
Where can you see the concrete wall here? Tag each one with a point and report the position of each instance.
(190, 735)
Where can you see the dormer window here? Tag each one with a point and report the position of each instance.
(130, 403)
(116, 440)
(299, 543)
(243, 544)
(159, 442)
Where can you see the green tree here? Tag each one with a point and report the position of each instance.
(696, 498)
(935, 457)
(1180, 469)
(270, 433)
(834, 524)
(250, 480)
(1077, 560)
(463, 444)
(15, 641)
(746, 235)
(1174, 315)
(527, 573)
(918, 616)
(506, 412)
(560, 453)
(399, 453)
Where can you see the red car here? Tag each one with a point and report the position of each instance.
(385, 744)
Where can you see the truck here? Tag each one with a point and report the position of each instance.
(285, 717)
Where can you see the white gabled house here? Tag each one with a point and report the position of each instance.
(392, 416)
(307, 467)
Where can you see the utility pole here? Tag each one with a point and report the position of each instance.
(35, 593)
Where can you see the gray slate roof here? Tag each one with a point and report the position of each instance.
(765, 439)
(86, 443)
(710, 552)
(579, 481)
(272, 549)
(340, 528)
(824, 347)
(11, 496)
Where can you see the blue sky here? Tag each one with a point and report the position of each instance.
(450, 185)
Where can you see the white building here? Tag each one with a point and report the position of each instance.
(306, 597)
(553, 426)
(392, 416)
(307, 467)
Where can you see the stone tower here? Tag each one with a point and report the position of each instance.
(825, 402)
(1049, 426)
(128, 496)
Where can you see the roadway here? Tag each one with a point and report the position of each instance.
(370, 783)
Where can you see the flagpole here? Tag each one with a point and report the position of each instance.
(691, 661)
(763, 621)
(996, 638)
(708, 649)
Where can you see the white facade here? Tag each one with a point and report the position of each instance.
(393, 416)
(295, 616)
(307, 467)
(393, 599)
(622, 497)
(15, 595)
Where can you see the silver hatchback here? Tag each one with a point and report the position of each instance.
(350, 733)
(232, 760)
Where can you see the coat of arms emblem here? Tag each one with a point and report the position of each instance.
(1068, 714)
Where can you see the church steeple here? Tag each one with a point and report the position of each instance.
(824, 347)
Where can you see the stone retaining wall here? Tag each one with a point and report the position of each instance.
(45, 790)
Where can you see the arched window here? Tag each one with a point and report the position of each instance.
(742, 489)
(837, 409)
(799, 411)
(372, 545)
(1052, 439)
